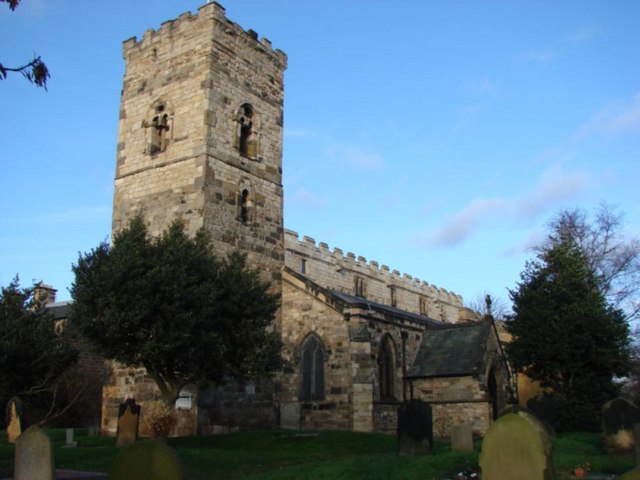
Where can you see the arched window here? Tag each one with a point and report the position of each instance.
(246, 140)
(386, 370)
(312, 369)
(160, 127)
(245, 205)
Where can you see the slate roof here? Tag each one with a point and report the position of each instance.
(452, 351)
(59, 310)
(354, 301)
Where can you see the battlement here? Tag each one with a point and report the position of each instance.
(187, 23)
(338, 271)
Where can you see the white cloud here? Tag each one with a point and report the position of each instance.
(295, 132)
(482, 86)
(554, 186)
(537, 56)
(617, 118)
(306, 198)
(76, 214)
(583, 33)
(360, 160)
(469, 114)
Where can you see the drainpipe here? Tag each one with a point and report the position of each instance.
(404, 336)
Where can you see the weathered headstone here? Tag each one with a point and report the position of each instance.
(415, 428)
(147, 460)
(619, 417)
(516, 445)
(70, 442)
(14, 419)
(290, 415)
(128, 420)
(462, 438)
(33, 456)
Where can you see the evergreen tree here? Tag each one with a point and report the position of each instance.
(34, 358)
(169, 305)
(565, 335)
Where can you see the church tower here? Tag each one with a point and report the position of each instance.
(200, 135)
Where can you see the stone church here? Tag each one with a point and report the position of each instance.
(200, 138)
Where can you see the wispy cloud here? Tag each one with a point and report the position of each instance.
(468, 115)
(537, 56)
(481, 86)
(614, 119)
(553, 187)
(583, 34)
(75, 214)
(466, 221)
(359, 159)
(306, 198)
(354, 157)
(295, 132)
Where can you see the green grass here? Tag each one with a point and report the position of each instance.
(282, 455)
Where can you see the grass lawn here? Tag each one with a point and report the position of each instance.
(278, 454)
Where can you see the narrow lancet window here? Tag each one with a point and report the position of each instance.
(312, 369)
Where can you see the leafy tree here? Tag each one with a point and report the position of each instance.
(35, 71)
(566, 335)
(169, 305)
(34, 358)
(613, 257)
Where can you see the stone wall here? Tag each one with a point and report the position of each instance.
(305, 314)
(455, 400)
(337, 271)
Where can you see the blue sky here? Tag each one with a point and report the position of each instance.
(436, 137)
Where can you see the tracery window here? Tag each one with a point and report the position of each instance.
(159, 136)
(359, 287)
(386, 377)
(246, 138)
(312, 369)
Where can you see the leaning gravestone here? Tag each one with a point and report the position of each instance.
(128, 420)
(415, 428)
(14, 419)
(33, 456)
(619, 417)
(462, 438)
(147, 460)
(517, 445)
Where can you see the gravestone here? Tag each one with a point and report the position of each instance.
(415, 428)
(14, 419)
(70, 442)
(619, 417)
(33, 456)
(128, 420)
(462, 438)
(516, 445)
(635, 473)
(290, 415)
(147, 460)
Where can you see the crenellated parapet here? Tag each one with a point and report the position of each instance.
(355, 275)
(179, 30)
